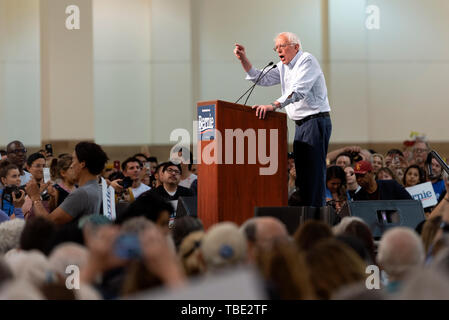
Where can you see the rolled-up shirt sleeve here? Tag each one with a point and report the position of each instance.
(306, 76)
(271, 77)
(252, 74)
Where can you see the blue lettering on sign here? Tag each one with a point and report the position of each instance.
(423, 196)
(206, 123)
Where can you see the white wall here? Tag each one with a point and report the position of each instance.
(388, 82)
(19, 72)
(67, 72)
(154, 59)
(121, 36)
(172, 104)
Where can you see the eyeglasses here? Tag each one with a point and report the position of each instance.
(360, 175)
(173, 171)
(275, 49)
(420, 150)
(17, 151)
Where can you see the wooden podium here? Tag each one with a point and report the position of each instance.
(233, 175)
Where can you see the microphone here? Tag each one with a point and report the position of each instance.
(271, 63)
(254, 85)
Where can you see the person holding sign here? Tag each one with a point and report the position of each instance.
(413, 175)
(373, 189)
(415, 183)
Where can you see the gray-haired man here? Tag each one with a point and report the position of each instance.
(304, 96)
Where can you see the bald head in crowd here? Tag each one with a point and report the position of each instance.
(400, 251)
(261, 233)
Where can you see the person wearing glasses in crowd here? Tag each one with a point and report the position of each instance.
(304, 97)
(170, 190)
(420, 151)
(184, 157)
(17, 154)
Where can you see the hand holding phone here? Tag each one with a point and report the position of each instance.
(127, 246)
(49, 150)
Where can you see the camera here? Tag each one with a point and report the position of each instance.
(356, 157)
(126, 183)
(49, 149)
(10, 189)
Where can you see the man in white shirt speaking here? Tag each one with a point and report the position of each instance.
(304, 96)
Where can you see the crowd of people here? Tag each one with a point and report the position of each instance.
(354, 173)
(52, 222)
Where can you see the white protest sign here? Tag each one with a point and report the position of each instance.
(423, 192)
(47, 176)
(108, 200)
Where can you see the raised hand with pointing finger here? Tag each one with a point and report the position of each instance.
(240, 53)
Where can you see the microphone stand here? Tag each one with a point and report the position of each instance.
(252, 87)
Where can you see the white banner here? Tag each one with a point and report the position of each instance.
(425, 193)
(108, 200)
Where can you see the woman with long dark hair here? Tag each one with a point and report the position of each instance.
(336, 186)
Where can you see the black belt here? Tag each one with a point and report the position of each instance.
(313, 116)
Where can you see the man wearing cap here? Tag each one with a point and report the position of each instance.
(373, 189)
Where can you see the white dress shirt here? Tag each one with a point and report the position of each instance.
(302, 82)
(140, 189)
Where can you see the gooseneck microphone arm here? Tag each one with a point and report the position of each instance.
(257, 82)
(258, 79)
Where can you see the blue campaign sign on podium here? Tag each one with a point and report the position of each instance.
(206, 123)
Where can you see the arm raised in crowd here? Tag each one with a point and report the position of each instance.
(100, 243)
(160, 259)
(332, 156)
